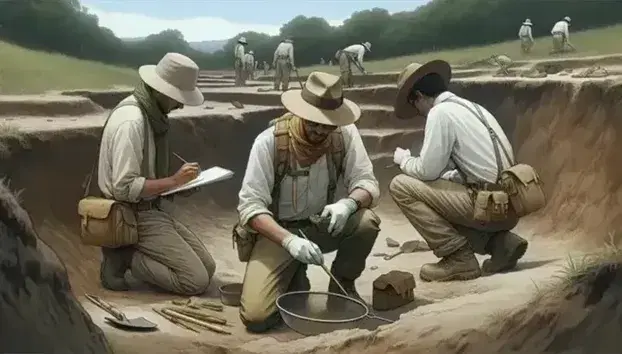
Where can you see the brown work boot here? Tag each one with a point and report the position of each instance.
(335, 303)
(348, 286)
(460, 265)
(506, 249)
(300, 282)
(115, 261)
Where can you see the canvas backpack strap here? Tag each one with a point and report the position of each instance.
(334, 162)
(282, 163)
(477, 112)
(89, 179)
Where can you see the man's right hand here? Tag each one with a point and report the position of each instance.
(303, 250)
(186, 173)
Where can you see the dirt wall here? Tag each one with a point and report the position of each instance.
(567, 131)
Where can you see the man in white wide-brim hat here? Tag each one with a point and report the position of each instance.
(134, 168)
(352, 54)
(249, 65)
(457, 159)
(238, 61)
(561, 35)
(525, 36)
(290, 185)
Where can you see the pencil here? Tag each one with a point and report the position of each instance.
(181, 158)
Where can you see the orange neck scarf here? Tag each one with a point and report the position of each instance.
(306, 153)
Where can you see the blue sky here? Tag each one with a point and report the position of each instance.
(221, 19)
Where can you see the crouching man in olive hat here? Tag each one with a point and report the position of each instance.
(292, 175)
(464, 152)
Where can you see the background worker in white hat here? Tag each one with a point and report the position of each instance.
(325, 147)
(351, 55)
(525, 36)
(561, 35)
(283, 64)
(457, 158)
(134, 168)
(238, 61)
(249, 65)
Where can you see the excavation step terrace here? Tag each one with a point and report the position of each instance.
(389, 78)
(46, 106)
(380, 133)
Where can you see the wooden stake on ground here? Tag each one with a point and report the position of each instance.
(189, 319)
(198, 314)
(175, 320)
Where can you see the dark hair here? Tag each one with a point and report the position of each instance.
(430, 85)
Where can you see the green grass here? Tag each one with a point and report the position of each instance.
(24, 71)
(592, 42)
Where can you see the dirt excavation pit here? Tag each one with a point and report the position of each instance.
(553, 125)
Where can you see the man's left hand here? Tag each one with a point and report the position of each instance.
(400, 155)
(339, 214)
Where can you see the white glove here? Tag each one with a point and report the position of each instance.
(339, 214)
(400, 155)
(453, 176)
(303, 250)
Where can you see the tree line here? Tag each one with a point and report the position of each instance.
(67, 27)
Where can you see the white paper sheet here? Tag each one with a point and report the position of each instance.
(209, 176)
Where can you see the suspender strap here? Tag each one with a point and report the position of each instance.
(477, 112)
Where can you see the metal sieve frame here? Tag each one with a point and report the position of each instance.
(317, 320)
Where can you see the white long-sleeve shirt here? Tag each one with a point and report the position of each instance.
(249, 60)
(310, 191)
(284, 49)
(452, 131)
(358, 50)
(121, 154)
(525, 31)
(562, 27)
(238, 52)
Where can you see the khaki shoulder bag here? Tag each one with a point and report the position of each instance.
(106, 222)
(520, 183)
(284, 165)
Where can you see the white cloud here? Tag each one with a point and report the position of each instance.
(130, 25)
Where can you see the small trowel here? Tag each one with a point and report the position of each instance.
(119, 319)
(408, 247)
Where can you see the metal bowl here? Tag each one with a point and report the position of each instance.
(311, 313)
(230, 294)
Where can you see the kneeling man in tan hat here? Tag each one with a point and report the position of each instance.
(464, 151)
(134, 168)
(292, 175)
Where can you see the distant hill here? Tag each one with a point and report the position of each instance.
(208, 46)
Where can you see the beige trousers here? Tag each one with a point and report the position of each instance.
(559, 42)
(345, 67)
(170, 256)
(282, 71)
(271, 269)
(442, 212)
(238, 66)
(526, 44)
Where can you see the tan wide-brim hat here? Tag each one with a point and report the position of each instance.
(321, 101)
(528, 22)
(367, 46)
(176, 77)
(409, 77)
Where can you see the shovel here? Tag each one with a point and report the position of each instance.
(119, 319)
(408, 247)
